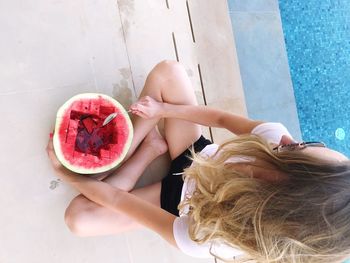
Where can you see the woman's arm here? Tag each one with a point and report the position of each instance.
(115, 199)
(118, 200)
(211, 117)
(147, 108)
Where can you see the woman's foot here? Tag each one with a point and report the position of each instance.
(155, 141)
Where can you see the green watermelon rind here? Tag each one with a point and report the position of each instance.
(57, 145)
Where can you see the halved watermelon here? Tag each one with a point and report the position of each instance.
(81, 143)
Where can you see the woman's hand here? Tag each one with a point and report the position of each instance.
(60, 170)
(147, 108)
(56, 164)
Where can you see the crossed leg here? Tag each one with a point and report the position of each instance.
(167, 82)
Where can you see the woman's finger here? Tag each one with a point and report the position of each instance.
(135, 106)
(49, 146)
(136, 112)
(140, 107)
(140, 114)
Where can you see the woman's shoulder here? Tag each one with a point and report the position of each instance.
(272, 132)
(209, 150)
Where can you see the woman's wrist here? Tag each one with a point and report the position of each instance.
(164, 110)
(170, 110)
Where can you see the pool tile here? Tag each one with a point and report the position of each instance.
(317, 40)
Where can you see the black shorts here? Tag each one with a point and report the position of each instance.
(170, 193)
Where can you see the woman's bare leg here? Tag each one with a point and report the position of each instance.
(128, 174)
(86, 218)
(168, 82)
(153, 87)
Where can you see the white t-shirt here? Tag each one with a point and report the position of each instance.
(272, 133)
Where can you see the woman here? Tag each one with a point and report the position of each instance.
(260, 196)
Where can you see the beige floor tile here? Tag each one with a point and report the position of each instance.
(45, 49)
(217, 57)
(148, 40)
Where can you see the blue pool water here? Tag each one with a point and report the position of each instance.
(317, 36)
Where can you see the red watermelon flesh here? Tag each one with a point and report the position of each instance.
(89, 124)
(84, 141)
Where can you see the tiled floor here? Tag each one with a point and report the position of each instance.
(52, 50)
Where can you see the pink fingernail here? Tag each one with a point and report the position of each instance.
(51, 135)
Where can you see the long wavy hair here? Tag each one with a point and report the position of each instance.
(305, 219)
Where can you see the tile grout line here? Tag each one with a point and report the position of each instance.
(190, 20)
(175, 47)
(126, 47)
(204, 98)
(202, 86)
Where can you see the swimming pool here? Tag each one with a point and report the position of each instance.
(317, 36)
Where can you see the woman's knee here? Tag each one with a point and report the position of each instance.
(168, 82)
(84, 219)
(168, 65)
(167, 69)
(77, 215)
(157, 78)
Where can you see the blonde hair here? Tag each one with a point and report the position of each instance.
(304, 219)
